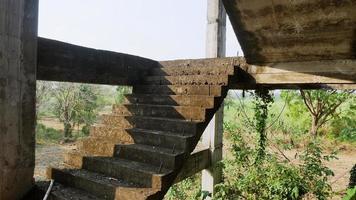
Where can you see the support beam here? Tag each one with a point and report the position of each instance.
(212, 136)
(18, 55)
(59, 61)
(324, 74)
(200, 159)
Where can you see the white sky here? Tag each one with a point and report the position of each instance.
(157, 29)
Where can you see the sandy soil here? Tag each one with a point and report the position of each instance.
(49, 155)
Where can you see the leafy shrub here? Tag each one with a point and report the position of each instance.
(343, 127)
(255, 174)
(273, 179)
(353, 177)
(47, 135)
(350, 194)
(86, 130)
(188, 189)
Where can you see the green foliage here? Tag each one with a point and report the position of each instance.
(75, 104)
(322, 105)
(120, 93)
(343, 126)
(87, 108)
(252, 173)
(350, 194)
(188, 189)
(273, 179)
(353, 177)
(47, 135)
(296, 116)
(262, 102)
(314, 172)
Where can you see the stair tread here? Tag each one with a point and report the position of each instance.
(184, 76)
(138, 166)
(203, 101)
(98, 178)
(62, 192)
(153, 149)
(157, 118)
(210, 90)
(165, 133)
(159, 106)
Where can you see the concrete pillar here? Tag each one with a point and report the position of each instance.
(213, 134)
(18, 55)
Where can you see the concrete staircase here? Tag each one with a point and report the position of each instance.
(138, 150)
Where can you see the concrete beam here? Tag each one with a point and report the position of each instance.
(286, 31)
(324, 74)
(59, 61)
(200, 159)
(18, 58)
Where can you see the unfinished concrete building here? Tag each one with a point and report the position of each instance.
(149, 143)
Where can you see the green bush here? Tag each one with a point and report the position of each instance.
(273, 179)
(353, 177)
(350, 194)
(188, 189)
(47, 135)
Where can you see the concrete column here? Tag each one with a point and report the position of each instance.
(18, 58)
(213, 134)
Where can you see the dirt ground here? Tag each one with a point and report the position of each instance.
(49, 155)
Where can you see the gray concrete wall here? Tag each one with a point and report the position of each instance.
(18, 54)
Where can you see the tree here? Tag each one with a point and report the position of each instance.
(75, 104)
(87, 108)
(67, 101)
(322, 105)
(43, 90)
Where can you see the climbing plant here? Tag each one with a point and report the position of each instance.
(262, 102)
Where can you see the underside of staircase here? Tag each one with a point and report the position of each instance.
(137, 151)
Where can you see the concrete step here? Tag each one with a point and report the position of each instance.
(209, 90)
(111, 132)
(161, 139)
(105, 134)
(99, 146)
(173, 100)
(61, 192)
(130, 171)
(176, 112)
(104, 187)
(74, 159)
(157, 156)
(187, 80)
(193, 70)
(176, 126)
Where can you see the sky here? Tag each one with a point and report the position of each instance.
(156, 29)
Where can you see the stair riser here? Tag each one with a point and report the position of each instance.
(178, 127)
(189, 70)
(187, 80)
(167, 141)
(74, 160)
(97, 147)
(178, 90)
(174, 100)
(100, 190)
(117, 171)
(117, 134)
(118, 122)
(148, 157)
(178, 112)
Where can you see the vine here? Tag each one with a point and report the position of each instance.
(263, 100)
